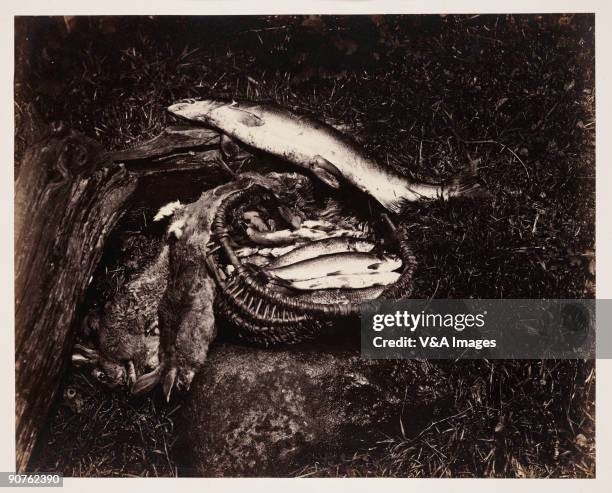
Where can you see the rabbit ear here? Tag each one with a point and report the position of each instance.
(168, 383)
(79, 360)
(84, 356)
(146, 382)
(90, 323)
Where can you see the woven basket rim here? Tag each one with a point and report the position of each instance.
(221, 241)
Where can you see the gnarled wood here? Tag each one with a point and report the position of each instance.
(172, 139)
(68, 197)
(203, 161)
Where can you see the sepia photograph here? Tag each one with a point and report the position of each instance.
(204, 204)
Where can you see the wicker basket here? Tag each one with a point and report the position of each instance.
(264, 315)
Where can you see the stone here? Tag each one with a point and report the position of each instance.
(268, 412)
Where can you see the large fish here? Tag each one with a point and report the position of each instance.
(318, 147)
(336, 264)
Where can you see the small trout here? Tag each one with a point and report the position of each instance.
(341, 296)
(353, 281)
(337, 264)
(318, 147)
(266, 252)
(284, 237)
(326, 246)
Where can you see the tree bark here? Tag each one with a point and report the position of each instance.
(171, 140)
(68, 197)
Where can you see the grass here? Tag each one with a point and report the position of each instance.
(94, 433)
(427, 95)
(520, 419)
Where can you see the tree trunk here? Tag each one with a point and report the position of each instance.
(68, 197)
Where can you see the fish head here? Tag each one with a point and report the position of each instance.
(360, 245)
(217, 113)
(201, 110)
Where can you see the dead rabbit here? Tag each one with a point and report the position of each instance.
(126, 330)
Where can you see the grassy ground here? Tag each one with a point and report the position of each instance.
(427, 95)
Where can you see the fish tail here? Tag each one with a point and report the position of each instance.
(280, 285)
(268, 277)
(466, 184)
(259, 273)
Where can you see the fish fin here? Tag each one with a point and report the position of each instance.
(326, 171)
(335, 273)
(466, 184)
(397, 206)
(289, 217)
(248, 119)
(375, 266)
(229, 148)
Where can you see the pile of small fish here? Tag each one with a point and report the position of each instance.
(317, 260)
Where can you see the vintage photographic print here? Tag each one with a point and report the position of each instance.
(204, 204)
